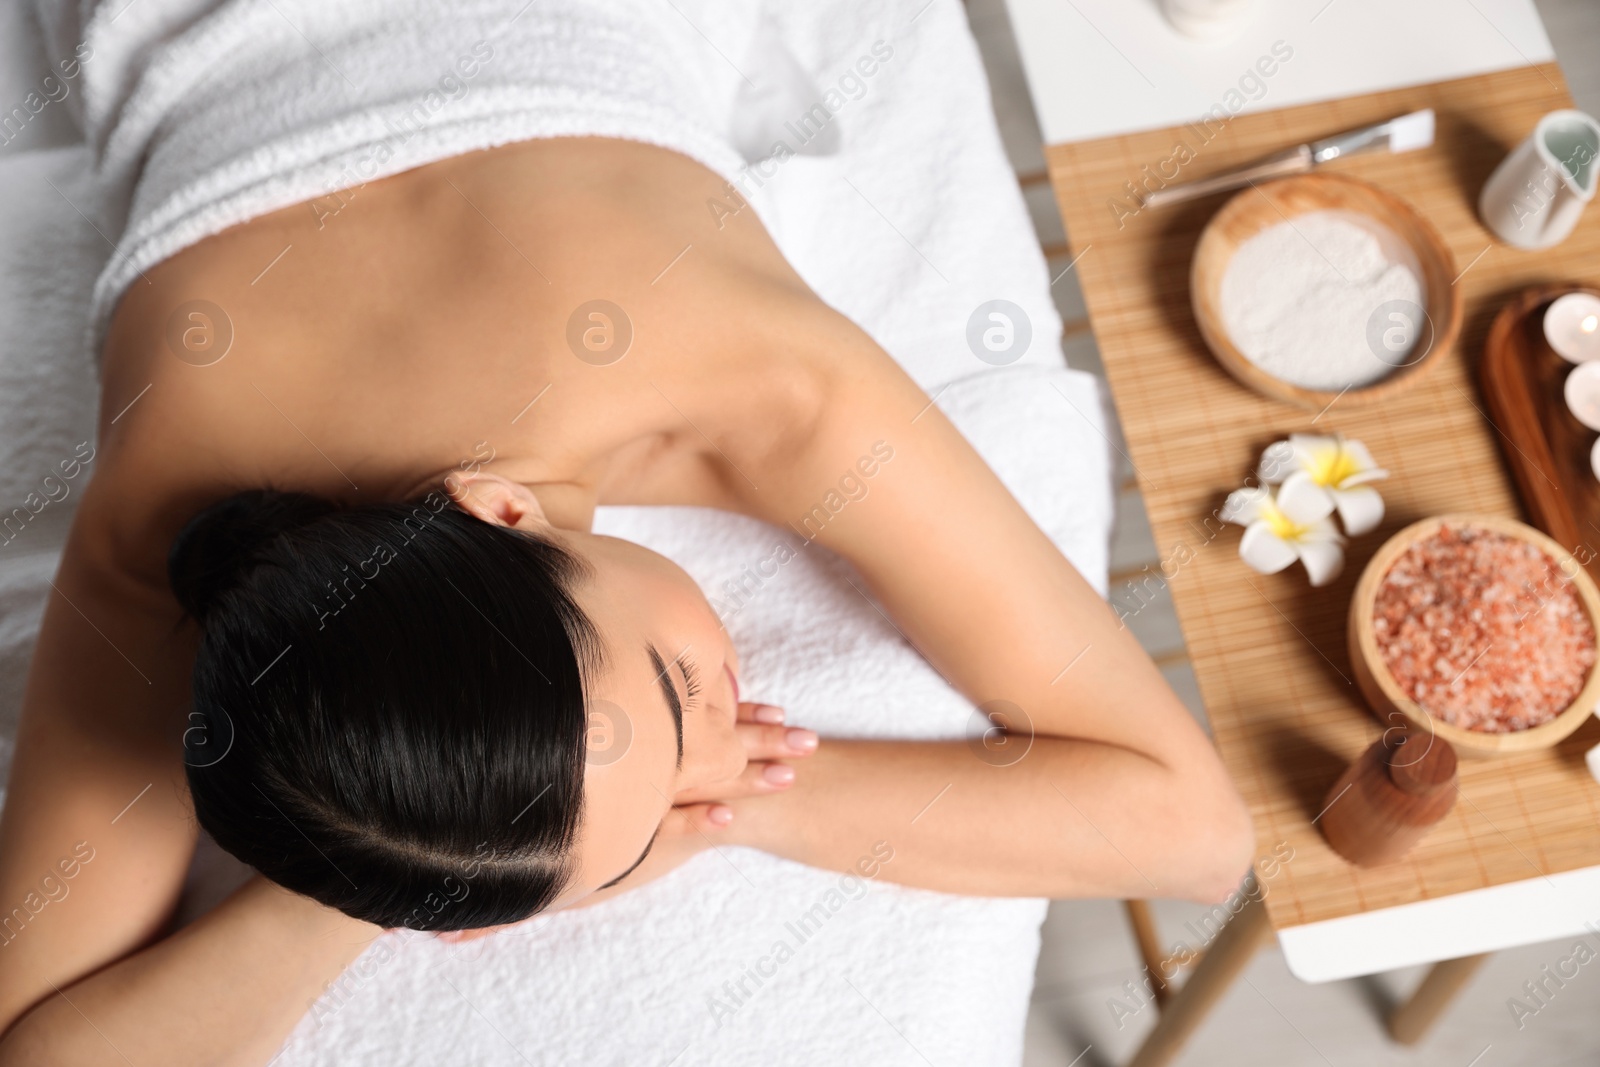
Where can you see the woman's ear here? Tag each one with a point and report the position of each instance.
(496, 500)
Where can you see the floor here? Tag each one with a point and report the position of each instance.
(1082, 1015)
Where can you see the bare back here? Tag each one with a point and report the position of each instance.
(571, 307)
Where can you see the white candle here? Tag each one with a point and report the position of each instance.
(1572, 326)
(1582, 392)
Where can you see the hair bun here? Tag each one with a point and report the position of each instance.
(213, 551)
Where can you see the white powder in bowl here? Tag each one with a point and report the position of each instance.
(1314, 301)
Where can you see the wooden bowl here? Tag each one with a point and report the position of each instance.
(1410, 238)
(1385, 696)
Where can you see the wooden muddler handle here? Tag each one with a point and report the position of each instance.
(1389, 797)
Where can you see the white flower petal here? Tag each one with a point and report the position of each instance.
(1321, 530)
(1360, 509)
(1302, 500)
(1243, 506)
(1277, 462)
(1372, 474)
(1308, 446)
(1265, 551)
(1359, 456)
(1323, 559)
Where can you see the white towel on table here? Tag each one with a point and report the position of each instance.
(902, 213)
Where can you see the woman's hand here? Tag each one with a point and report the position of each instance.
(703, 817)
(767, 744)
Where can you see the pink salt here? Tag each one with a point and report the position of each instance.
(1483, 630)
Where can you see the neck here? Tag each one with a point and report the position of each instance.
(568, 505)
(586, 445)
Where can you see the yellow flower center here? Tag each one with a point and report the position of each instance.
(1280, 524)
(1331, 466)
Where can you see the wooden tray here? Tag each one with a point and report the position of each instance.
(1269, 652)
(1546, 449)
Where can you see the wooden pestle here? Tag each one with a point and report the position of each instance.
(1389, 797)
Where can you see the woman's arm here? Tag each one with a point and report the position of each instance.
(96, 833)
(1071, 819)
(1121, 793)
(226, 990)
(97, 829)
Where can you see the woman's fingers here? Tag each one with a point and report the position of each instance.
(765, 737)
(697, 819)
(760, 777)
(767, 741)
(764, 713)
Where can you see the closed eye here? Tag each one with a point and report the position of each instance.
(691, 679)
(669, 692)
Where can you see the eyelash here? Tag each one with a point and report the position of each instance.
(691, 679)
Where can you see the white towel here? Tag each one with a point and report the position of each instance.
(900, 210)
(207, 114)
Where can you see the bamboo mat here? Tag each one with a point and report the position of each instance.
(1269, 651)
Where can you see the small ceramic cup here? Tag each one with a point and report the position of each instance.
(1535, 196)
(1207, 20)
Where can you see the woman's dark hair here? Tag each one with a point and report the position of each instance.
(388, 708)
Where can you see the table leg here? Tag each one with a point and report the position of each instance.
(1229, 954)
(1144, 932)
(1411, 1021)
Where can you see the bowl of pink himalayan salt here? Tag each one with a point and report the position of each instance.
(1480, 630)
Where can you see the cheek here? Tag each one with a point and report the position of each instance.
(732, 759)
(733, 751)
(712, 750)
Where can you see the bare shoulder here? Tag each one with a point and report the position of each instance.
(174, 434)
(829, 396)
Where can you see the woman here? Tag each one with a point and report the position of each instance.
(397, 655)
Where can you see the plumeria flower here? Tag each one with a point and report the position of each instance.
(1294, 526)
(1338, 467)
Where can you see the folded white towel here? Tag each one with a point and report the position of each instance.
(900, 210)
(48, 260)
(208, 113)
